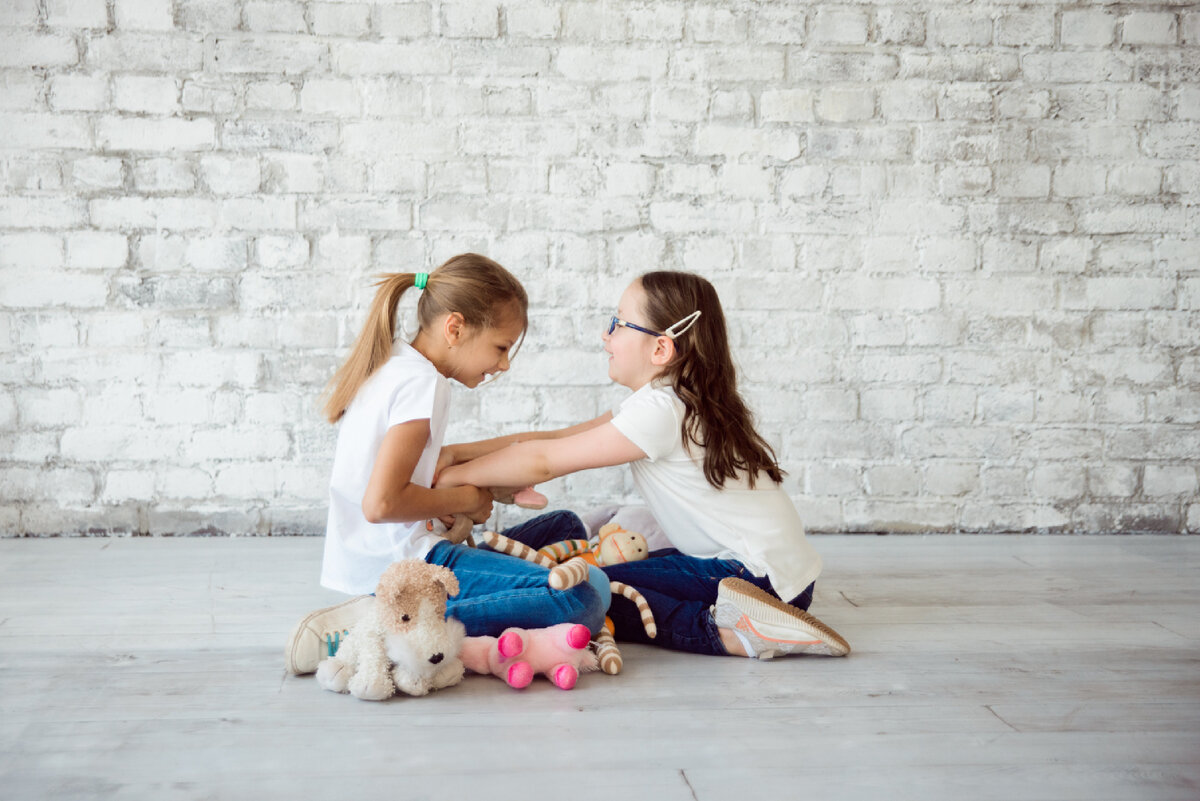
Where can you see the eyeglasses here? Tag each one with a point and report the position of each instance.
(673, 331)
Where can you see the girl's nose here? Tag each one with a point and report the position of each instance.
(504, 362)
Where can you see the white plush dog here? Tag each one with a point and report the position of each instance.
(404, 642)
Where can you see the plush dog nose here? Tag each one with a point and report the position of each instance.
(436, 658)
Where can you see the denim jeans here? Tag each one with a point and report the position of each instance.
(680, 589)
(497, 592)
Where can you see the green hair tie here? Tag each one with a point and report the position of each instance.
(422, 280)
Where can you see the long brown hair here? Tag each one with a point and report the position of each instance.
(474, 286)
(703, 376)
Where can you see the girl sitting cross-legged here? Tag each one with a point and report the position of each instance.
(740, 577)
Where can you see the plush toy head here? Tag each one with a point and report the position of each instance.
(411, 602)
(618, 545)
(411, 590)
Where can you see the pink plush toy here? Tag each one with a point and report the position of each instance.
(559, 652)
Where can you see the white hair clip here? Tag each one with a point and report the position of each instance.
(687, 322)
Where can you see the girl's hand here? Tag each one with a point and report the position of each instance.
(484, 511)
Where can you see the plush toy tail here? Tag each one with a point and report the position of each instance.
(607, 652)
(501, 543)
(640, 602)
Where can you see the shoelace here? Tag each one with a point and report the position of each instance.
(334, 640)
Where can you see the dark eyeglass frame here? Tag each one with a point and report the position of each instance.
(615, 321)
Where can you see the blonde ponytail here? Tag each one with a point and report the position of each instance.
(372, 348)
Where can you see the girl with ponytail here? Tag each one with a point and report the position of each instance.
(391, 401)
(739, 579)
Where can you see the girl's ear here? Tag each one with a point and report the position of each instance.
(664, 352)
(454, 329)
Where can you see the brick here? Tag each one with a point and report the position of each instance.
(470, 21)
(24, 50)
(331, 97)
(908, 101)
(45, 131)
(341, 19)
(409, 21)
(892, 480)
(143, 15)
(954, 28)
(154, 135)
(731, 63)
(1025, 29)
(787, 105)
(275, 17)
(91, 250)
(713, 24)
(1088, 28)
(1149, 28)
(288, 55)
(839, 26)
(900, 27)
(1169, 481)
(846, 105)
(533, 21)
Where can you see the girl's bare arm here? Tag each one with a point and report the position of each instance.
(391, 497)
(466, 451)
(536, 461)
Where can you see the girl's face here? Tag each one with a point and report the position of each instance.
(631, 353)
(485, 352)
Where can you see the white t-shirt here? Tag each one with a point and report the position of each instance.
(758, 527)
(407, 387)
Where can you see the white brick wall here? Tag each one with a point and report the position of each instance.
(959, 247)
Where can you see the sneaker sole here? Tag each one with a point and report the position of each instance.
(291, 651)
(764, 608)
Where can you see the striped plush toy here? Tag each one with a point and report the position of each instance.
(568, 563)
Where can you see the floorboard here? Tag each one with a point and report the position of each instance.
(985, 667)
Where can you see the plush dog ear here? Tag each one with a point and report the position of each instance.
(445, 576)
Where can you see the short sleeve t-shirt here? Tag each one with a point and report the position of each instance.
(758, 527)
(407, 387)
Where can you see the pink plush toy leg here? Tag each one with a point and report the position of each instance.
(510, 644)
(519, 675)
(565, 677)
(578, 637)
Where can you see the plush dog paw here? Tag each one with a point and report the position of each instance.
(378, 690)
(334, 674)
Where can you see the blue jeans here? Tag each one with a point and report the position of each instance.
(497, 591)
(680, 589)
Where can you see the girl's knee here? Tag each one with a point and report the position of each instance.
(569, 524)
(589, 607)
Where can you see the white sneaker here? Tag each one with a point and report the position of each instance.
(770, 626)
(318, 635)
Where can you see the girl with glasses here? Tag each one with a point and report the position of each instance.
(739, 578)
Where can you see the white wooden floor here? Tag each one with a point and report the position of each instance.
(984, 668)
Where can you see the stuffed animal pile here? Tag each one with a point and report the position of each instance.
(406, 644)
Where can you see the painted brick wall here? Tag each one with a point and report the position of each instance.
(957, 243)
